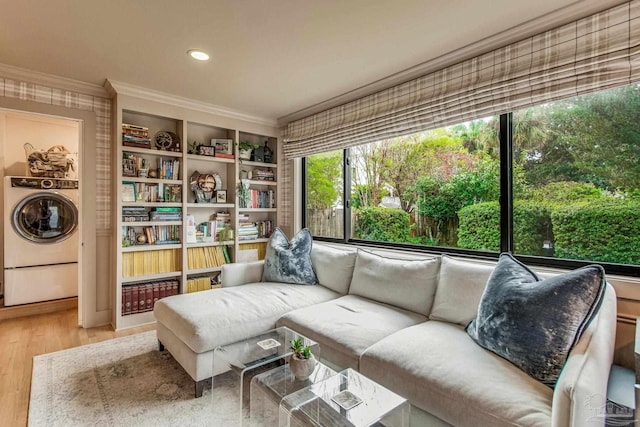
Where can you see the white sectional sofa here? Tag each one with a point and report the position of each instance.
(400, 322)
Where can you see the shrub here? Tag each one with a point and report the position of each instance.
(599, 231)
(383, 225)
(480, 227)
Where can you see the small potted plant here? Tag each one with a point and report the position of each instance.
(244, 149)
(302, 362)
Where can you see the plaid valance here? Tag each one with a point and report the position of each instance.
(593, 53)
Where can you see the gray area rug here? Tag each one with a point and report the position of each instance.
(125, 381)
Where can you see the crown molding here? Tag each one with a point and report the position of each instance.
(50, 80)
(577, 10)
(114, 87)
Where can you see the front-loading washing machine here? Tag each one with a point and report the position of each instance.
(40, 239)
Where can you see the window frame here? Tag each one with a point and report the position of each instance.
(506, 218)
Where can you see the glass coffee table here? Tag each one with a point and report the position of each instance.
(251, 355)
(269, 388)
(346, 399)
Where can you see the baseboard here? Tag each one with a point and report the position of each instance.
(36, 308)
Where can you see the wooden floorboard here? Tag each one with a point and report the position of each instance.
(22, 338)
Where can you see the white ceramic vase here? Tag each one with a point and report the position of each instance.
(245, 154)
(302, 368)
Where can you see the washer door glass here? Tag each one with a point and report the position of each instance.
(45, 218)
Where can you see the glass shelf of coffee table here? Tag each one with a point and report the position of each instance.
(251, 355)
(346, 399)
(268, 389)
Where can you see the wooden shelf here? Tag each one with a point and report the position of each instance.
(260, 240)
(258, 210)
(256, 182)
(151, 277)
(151, 151)
(151, 180)
(211, 205)
(258, 164)
(200, 158)
(204, 270)
(149, 223)
(207, 244)
(153, 204)
(142, 248)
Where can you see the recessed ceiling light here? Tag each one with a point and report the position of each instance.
(198, 54)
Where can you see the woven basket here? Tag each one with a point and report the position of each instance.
(52, 163)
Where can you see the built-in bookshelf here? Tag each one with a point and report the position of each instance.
(179, 208)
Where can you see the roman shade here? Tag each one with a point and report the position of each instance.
(593, 53)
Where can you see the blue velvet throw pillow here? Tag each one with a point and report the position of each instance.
(289, 261)
(534, 323)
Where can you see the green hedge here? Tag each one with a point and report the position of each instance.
(383, 225)
(599, 231)
(480, 227)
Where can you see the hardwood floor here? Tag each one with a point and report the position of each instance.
(24, 337)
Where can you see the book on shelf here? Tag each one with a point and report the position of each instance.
(225, 156)
(141, 297)
(135, 130)
(261, 199)
(169, 169)
(143, 263)
(197, 284)
(205, 257)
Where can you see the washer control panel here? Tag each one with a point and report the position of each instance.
(45, 183)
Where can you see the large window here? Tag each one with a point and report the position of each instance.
(574, 194)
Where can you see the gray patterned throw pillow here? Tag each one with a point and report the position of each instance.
(289, 262)
(535, 323)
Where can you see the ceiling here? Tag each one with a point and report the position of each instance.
(270, 59)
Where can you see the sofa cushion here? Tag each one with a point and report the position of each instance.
(439, 368)
(204, 320)
(333, 266)
(535, 323)
(289, 261)
(408, 284)
(460, 288)
(347, 326)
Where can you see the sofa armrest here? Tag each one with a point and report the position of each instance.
(580, 395)
(241, 273)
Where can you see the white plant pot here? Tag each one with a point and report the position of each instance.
(245, 154)
(302, 368)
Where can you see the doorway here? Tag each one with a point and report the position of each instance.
(42, 272)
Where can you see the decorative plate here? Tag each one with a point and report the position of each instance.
(164, 140)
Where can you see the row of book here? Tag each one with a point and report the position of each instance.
(143, 263)
(153, 235)
(259, 199)
(248, 230)
(169, 169)
(142, 297)
(207, 257)
(165, 214)
(145, 192)
(197, 284)
(140, 214)
(134, 214)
